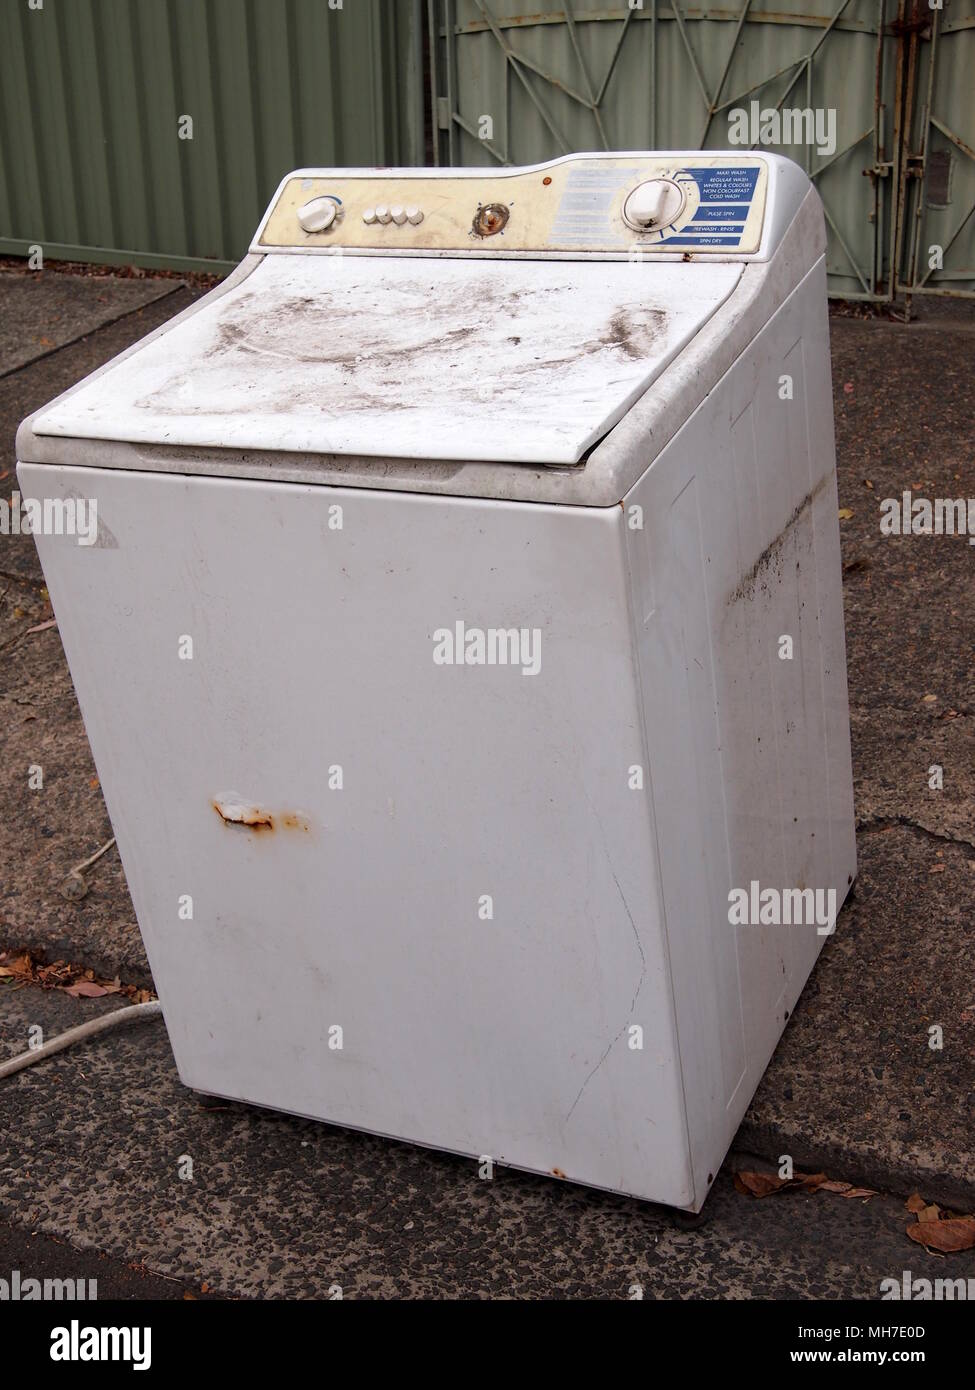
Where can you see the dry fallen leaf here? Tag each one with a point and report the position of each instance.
(929, 1213)
(75, 980)
(86, 989)
(759, 1184)
(951, 1234)
(846, 1189)
(42, 627)
(845, 513)
(915, 1202)
(764, 1184)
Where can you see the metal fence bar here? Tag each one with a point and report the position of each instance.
(570, 24)
(849, 254)
(614, 58)
(724, 72)
(511, 57)
(434, 87)
(925, 142)
(695, 66)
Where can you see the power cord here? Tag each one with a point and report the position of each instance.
(91, 1029)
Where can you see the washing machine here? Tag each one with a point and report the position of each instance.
(461, 651)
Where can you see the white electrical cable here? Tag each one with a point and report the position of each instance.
(73, 1035)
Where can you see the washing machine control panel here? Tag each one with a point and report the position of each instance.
(581, 204)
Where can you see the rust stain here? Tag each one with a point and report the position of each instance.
(557, 1173)
(916, 21)
(250, 817)
(256, 818)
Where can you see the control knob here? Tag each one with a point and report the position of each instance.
(656, 203)
(318, 214)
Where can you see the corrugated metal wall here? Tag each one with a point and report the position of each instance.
(92, 92)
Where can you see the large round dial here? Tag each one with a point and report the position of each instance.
(656, 203)
(318, 214)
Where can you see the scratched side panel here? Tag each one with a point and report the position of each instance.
(749, 753)
(315, 907)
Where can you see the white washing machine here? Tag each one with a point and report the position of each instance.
(463, 634)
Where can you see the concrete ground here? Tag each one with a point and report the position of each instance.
(90, 1143)
(93, 1143)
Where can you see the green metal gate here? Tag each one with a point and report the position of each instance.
(936, 225)
(515, 87)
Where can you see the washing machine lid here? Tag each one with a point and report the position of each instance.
(511, 361)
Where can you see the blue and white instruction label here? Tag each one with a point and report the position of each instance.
(719, 201)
